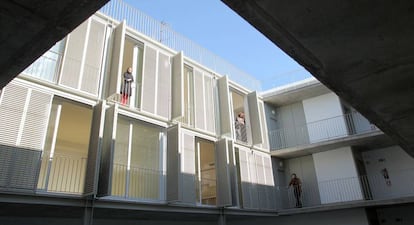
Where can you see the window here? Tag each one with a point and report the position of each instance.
(138, 169)
(48, 65)
(206, 172)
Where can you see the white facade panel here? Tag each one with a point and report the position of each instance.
(324, 117)
(337, 176)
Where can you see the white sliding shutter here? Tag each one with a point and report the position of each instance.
(224, 196)
(188, 168)
(209, 103)
(245, 177)
(164, 86)
(149, 80)
(177, 94)
(270, 186)
(173, 163)
(118, 37)
(254, 118)
(265, 136)
(72, 59)
(199, 100)
(224, 106)
(93, 58)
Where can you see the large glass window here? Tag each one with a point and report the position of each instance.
(47, 66)
(138, 169)
(206, 172)
(66, 148)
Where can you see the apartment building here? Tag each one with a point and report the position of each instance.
(191, 144)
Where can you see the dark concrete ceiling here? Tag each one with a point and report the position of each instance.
(362, 50)
(30, 27)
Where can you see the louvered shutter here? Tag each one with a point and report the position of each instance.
(199, 100)
(224, 197)
(149, 80)
(270, 186)
(224, 106)
(265, 136)
(177, 83)
(95, 147)
(173, 163)
(245, 178)
(93, 58)
(72, 59)
(254, 118)
(115, 75)
(164, 86)
(108, 145)
(188, 168)
(209, 104)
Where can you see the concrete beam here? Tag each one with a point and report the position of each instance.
(362, 51)
(30, 27)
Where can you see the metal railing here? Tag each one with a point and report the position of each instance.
(161, 32)
(137, 182)
(46, 67)
(63, 174)
(398, 183)
(322, 130)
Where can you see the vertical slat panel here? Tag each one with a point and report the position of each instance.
(199, 100)
(118, 37)
(177, 94)
(109, 135)
(224, 106)
(149, 80)
(73, 56)
(93, 58)
(164, 85)
(173, 163)
(209, 104)
(245, 178)
(188, 188)
(253, 190)
(254, 118)
(270, 185)
(224, 197)
(95, 148)
(265, 136)
(37, 117)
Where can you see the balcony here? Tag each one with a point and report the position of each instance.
(397, 184)
(319, 131)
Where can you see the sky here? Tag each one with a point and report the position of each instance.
(214, 26)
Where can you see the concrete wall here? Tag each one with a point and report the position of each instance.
(317, 111)
(341, 217)
(400, 168)
(337, 176)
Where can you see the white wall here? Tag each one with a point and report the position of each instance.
(324, 107)
(337, 176)
(400, 167)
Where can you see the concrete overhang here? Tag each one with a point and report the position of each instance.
(30, 28)
(362, 50)
(294, 92)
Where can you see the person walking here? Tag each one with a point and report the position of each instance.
(297, 189)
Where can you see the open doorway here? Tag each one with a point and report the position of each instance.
(206, 188)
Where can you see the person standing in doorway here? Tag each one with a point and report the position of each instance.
(297, 189)
(240, 127)
(126, 87)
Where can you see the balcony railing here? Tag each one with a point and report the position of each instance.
(46, 67)
(137, 182)
(398, 183)
(322, 130)
(161, 32)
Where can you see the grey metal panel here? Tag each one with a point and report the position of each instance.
(199, 100)
(72, 59)
(173, 163)
(95, 148)
(187, 187)
(177, 107)
(117, 58)
(254, 117)
(109, 135)
(19, 168)
(164, 85)
(224, 196)
(93, 58)
(149, 80)
(224, 106)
